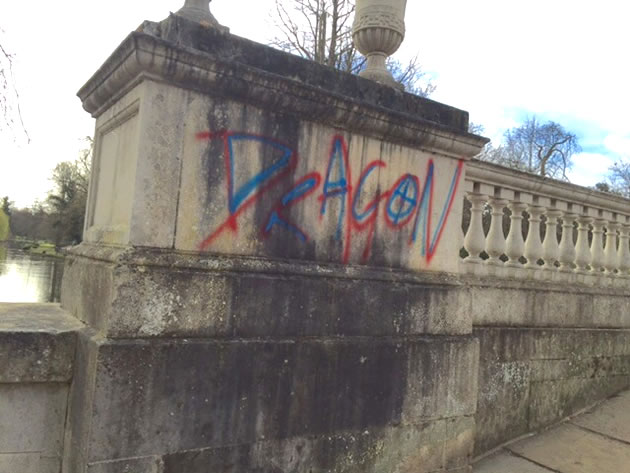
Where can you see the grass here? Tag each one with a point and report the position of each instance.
(44, 248)
(41, 247)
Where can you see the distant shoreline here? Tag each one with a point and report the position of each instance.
(41, 248)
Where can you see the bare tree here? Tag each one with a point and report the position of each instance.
(618, 179)
(321, 30)
(476, 128)
(545, 149)
(9, 98)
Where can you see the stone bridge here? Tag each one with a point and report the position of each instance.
(273, 280)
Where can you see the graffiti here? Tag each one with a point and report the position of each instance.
(241, 197)
(407, 204)
(300, 191)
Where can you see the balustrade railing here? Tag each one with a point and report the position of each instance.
(522, 226)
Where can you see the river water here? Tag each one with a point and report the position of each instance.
(26, 277)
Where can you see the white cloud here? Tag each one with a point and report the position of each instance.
(589, 168)
(557, 59)
(619, 145)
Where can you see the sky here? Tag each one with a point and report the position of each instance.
(500, 60)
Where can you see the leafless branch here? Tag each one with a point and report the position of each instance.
(9, 95)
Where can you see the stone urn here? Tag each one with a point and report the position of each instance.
(199, 11)
(378, 31)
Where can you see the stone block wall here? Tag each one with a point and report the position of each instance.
(37, 345)
(546, 352)
(278, 373)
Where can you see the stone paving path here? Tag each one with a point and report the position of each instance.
(597, 441)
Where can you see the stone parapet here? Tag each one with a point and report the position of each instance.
(556, 232)
(267, 267)
(37, 350)
(37, 343)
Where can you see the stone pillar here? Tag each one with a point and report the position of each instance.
(267, 271)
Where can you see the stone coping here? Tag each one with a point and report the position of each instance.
(37, 343)
(568, 287)
(514, 179)
(194, 57)
(36, 318)
(208, 262)
(174, 259)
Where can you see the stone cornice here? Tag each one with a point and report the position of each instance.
(225, 65)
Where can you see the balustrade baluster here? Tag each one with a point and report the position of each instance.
(475, 240)
(610, 253)
(582, 249)
(567, 247)
(515, 246)
(623, 253)
(495, 241)
(533, 244)
(551, 250)
(597, 246)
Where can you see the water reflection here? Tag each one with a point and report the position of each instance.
(26, 277)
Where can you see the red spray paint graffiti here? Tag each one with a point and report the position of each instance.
(405, 202)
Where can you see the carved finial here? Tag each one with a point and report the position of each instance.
(378, 32)
(199, 11)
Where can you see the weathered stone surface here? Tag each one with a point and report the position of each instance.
(36, 343)
(139, 143)
(503, 403)
(246, 392)
(460, 441)
(139, 295)
(545, 304)
(37, 349)
(531, 378)
(417, 449)
(428, 447)
(552, 401)
(28, 463)
(80, 405)
(590, 367)
(439, 382)
(32, 418)
(132, 465)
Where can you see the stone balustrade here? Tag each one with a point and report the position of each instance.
(523, 226)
